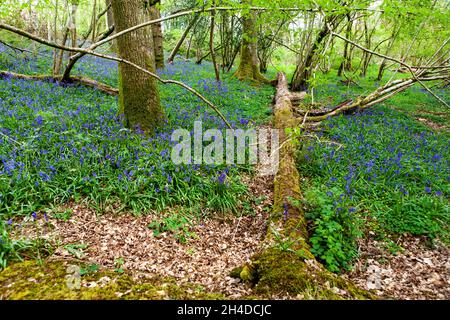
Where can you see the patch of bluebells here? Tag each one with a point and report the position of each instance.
(66, 142)
(382, 157)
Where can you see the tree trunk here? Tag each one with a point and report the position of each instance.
(139, 100)
(55, 36)
(366, 55)
(110, 22)
(109, 15)
(303, 72)
(211, 44)
(346, 63)
(295, 271)
(183, 37)
(60, 55)
(94, 20)
(188, 51)
(388, 50)
(73, 24)
(249, 65)
(71, 27)
(157, 36)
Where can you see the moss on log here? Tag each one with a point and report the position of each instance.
(286, 265)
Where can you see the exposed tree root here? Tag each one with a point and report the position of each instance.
(250, 73)
(286, 264)
(76, 80)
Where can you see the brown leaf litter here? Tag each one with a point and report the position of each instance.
(206, 259)
(418, 272)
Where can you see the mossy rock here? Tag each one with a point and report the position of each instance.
(31, 281)
(277, 272)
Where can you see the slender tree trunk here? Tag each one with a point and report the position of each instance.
(249, 65)
(303, 71)
(94, 20)
(211, 44)
(55, 36)
(183, 37)
(388, 50)
(157, 36)
(73, 24)
(224, 34)
(366, 55)
(32, 25)
(60, 55)
(346, 63)
(110, 22)
(71, 27)
(139, 99)
(109, 15)
(188, 51)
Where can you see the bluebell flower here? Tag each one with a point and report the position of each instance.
(285, 211)
(39, 120)
(221, 178)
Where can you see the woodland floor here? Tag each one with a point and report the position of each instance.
(213, 246)
(418, 272)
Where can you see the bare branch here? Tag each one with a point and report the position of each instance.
(391, 59)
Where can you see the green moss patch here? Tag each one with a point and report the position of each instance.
(54, 281)
(278, 272)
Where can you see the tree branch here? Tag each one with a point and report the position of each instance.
(91, 52)
(391, 59)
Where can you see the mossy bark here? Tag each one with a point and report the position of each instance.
(275, 271)
(249, 65)
(286, 264)
(287, 193)
(139, 99)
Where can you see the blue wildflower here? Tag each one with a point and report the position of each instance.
(221, 178)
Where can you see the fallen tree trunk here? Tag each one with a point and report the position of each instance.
(286, 264)
(76, 80)
(377, 96)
